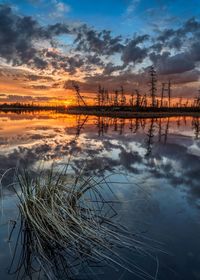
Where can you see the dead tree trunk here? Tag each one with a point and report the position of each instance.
(153, 84)
(79, 99)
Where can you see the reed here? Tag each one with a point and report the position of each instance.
(66, 224)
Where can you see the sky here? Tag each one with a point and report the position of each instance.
(47, 44)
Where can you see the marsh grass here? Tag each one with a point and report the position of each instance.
(68, 226)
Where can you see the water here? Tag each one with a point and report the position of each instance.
(157, 172)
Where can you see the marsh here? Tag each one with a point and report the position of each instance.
(154, 165)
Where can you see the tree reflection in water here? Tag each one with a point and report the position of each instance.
(151, 128)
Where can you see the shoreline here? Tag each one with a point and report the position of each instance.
(126, 114)
(110, 113)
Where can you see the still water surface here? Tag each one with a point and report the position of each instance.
(159, 158)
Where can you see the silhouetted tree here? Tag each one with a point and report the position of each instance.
(131, 100)
(138, 99)
(98, 98)
(116, 97)
(144, 101)
(79, 98)
(197, 100)
(180, 102)
(123, 97)
(169, 93)
(166, 88)
(153, 85)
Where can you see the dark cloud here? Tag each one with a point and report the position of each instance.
(40, 63)
(167, 64)
(182, 45)
(188, 33)
(180, 62)
(33, 77)
(166, 34)
(40, 87)
(157, 47)
(71, 63)
(185, 77)
(85, 86)
(58, 29)
(17, 35)
(102, 43)
(110, 68)
(195, 51)
(134, 53)
(191, 26)
(23, 98)
(175, 43)
(95, 60)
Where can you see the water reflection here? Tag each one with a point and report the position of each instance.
(161, 155)
(128, 144)
(196, 127)
(68, 228)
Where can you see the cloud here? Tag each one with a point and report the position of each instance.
(40, 87)
(34, 77)
(180, 62)
(17, 35)
(167, 64)
(185, 77)
(131, 7)
(59, 9)
(97, 56)
(195, 51)
(102, 43)
(134, 53)
(66, 63)
(40, 63)
(176, 38)
(177, 50)
(190, 26)
(111, 81)
(23, 98)
(110, 68)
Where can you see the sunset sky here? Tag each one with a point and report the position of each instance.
(44, 45)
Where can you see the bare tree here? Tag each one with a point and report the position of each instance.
(180, 102)
(131, 100)
(107, 97)
(116, 97)
(153, 85)
(197, 100)
(166, 88)
(123, 97)
(169, 93)
(138, 98)
(98, 97)
(79, 98)
(144, 101)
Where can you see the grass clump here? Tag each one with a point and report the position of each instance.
(68, 226)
